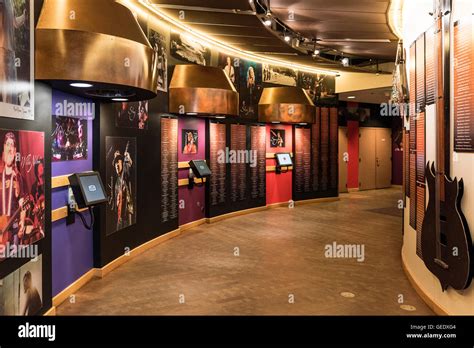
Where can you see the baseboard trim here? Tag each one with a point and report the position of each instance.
(192, 224)
(355, 189)
(51, 312)
(73, 288)
(318, 200)
(235, 214)
(424, 296)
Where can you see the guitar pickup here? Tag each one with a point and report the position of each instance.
(441, 263)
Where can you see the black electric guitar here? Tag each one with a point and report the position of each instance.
(446, 244)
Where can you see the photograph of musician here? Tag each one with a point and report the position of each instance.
(122, 184)
(142, 114)
(190, 141)
(69, 139)
(9, 22)
(132, 115)
(22, 208)
(277, 138)
(33, 302)
(229, 70)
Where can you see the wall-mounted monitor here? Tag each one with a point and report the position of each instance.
(284, 159)
(200, 168)
(88, 189)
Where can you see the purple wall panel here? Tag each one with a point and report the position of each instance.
(194, 200)
(72, 251)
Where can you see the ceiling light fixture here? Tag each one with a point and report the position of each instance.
(287, 38)
(267, 22)
(351, 97)
(119, 99)
(345, 62)
(224, 48)
(80, 85)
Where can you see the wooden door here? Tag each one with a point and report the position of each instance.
(367, 166)
(343, 153)
(383, 159)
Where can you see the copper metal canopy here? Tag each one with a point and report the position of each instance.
(99, 42)
(202, 90)
(287, 105)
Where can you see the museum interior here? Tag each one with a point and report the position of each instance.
(238, 157)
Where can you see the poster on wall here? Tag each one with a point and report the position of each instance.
(190, 141)
(21, 292)
(69, 139)
(22, 190)
(169, 168)
(231, 67)
(250, 88)
(121, 174)
(17, 59)
(277, 138)
(321, 88)
(158, 43)
(132, 115)
(279, 75)
(186, 48)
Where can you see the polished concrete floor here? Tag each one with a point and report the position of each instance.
(281, 268)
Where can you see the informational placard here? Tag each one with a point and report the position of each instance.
(315, 149)
(412, 189)
(238, 158)
(258, 171)
(430, 48)
(217, 141)
(412, 74)
(420, 73)
(169, 169)
(420, 148)
(463, 85)
(333, 147)
(324, 148)
(302, 161)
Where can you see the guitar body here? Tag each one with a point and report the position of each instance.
(456, 243)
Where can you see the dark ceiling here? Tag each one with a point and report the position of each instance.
(236, 23)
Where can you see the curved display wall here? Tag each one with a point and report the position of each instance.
(446, 290)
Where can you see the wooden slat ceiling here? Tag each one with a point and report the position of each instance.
(234, 23)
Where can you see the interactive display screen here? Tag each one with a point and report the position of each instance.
(284, 159)
(88, 189)
(200, 168)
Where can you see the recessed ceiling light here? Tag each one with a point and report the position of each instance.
(287, 38)
(191, 113)
(303, 124)
(275, 122)
(351, 97)
(267, 22)
(316, 52)
(345, 61)
(220, 117)
(120, 99)
(80, 85)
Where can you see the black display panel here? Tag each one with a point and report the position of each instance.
(284, 159)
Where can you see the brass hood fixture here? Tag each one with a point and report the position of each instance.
(202, 90)
(286, 105)
(98, 43)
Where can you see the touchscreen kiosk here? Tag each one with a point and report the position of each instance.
(88, 189)
(284, 159)
(200, 168)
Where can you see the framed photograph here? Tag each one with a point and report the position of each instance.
(159, 44)
(250, 88)
(21, 292)
(121, 174)
(69, 139)
(190, 141)
(279, 76)
(277, 138)
(22, 188)
(132, 115)
(17, 59)
(231, 67)
(185, 48)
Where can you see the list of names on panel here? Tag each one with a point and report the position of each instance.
(463, 86)
(333, 143)
(169, 169)
(258, 171)
(302, 169)
(324, 148)
(217, 132)
(238, 146)
(315, 149)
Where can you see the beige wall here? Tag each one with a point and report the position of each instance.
(416, 21)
